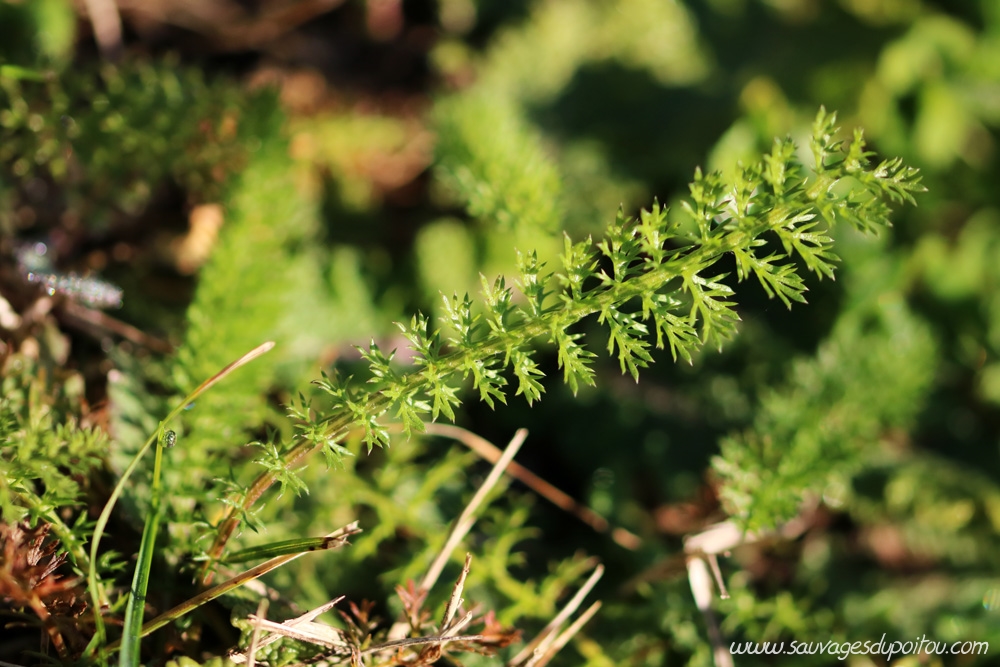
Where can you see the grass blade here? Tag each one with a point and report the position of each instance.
(129, 657)
(296, 546)
(98, 596)
(334, 539)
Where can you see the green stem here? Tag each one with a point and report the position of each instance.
(97, 595)
(131, 637)
(333, 540)
(337, 425)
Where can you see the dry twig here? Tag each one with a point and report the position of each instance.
(255, 638)
(546, 638)
(306, 618)
(490, 452)
(355, 643)
(565, 636)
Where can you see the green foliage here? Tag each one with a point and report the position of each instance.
(644, 34)
(110, 137)
(36, 32)
(871, 375)
(869, 416)
(45, 451)
(649, 262)
(644, 258)
(493, 162)
(236, 306)
(489, 152)
(964, 270)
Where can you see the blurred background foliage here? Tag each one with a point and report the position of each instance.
(310, 172)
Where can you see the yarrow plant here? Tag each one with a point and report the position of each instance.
(289, 196)
(655, 274)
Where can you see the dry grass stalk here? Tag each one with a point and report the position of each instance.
(467, 518)
(255, 638)
(354, 644)
(455, 601)
(463, 525)
(100, 325)
(564, 637)
(307, 631)
(490, 452)
(703, 551)
(308, 617)
(546, 638)
(335, 539)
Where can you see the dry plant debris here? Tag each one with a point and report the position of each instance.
(415, 639)
(29, 580)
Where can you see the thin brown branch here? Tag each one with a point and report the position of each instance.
(467, 518)
(490, 452)
(100, 324)
(418, 641)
